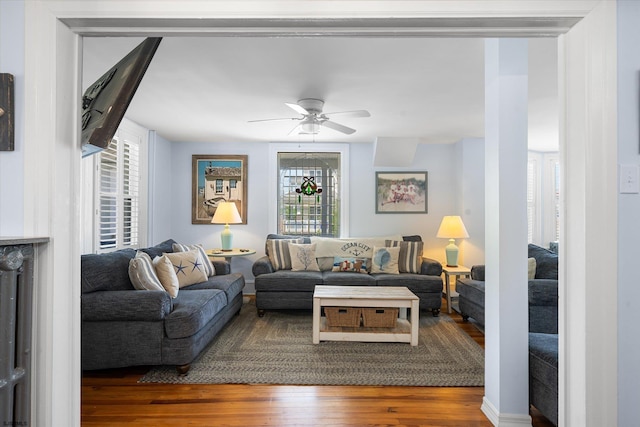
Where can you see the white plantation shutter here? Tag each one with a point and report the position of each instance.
(532, 185)
(119, 194)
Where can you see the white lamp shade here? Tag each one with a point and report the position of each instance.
(452, 227)
(226, 213)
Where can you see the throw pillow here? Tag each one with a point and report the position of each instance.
(167, 275)
(410, 258)
(532, 268)
(352, 265)
(278, 251)
(385, 260)
(189, 270)
(142, 273)
(303, 257)
(204, 259)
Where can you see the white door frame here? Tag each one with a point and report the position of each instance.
(588, 70)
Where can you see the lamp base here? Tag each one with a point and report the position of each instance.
(227, 239)
(452, 253)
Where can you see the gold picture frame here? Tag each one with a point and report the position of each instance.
(217, 178)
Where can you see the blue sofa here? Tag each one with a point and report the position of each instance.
(286, 289)
(122, 326)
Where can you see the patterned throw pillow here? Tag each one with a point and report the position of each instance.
(355, 265)
(167, 275)
(410, 258)
(204, 259)
(278, 251)
(385, 260)
(303, 257)
(189, 270)
(142, 273)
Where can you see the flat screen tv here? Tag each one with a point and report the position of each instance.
(105, 101)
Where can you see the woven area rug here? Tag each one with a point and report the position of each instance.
(278, 349)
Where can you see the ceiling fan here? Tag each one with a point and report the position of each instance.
(312, 117)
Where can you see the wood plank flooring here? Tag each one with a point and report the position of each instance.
(114, 398)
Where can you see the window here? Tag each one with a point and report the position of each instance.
(308, 193)
(119, 196)
(543, 198)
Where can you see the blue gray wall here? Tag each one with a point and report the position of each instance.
(628, 215)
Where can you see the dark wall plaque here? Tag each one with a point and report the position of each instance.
(105, 101)
(7, 130)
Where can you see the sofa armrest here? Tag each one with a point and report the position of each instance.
(543, 292)
(222, 267)
(477, 272)
(262, 266)
(125, 305)
(431, 267)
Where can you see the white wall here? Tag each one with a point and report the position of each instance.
(470, 171)
(438, 160)
(160, 181)
(12, 162)
(628, 214)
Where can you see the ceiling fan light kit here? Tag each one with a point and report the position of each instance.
(313, 117)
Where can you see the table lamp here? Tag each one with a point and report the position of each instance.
(226, 213)
(452, 228)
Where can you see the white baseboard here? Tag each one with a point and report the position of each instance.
(504, 420)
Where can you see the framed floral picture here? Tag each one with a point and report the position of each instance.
(401, 192)
(215, 179)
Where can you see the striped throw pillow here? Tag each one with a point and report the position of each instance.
(142, 273)
(278, 251)
(410, 258)
(204, 259)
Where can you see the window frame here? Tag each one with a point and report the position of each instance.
(275, 148)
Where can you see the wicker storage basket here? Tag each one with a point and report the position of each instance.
(343, 316)
(379, 317)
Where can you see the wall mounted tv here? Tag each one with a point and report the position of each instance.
(105, 101)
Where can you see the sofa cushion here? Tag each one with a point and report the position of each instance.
(278, 252)
(192, 310)
(296, 281)
(160, 248)
(543, 358)
(232, 284)
(106, 272)
(204, 259)
(142, 273)
(188, 268)
(337, 278)
(303, 257)
(351, 264)
(410, 257)
(415, 282)
(385, 260)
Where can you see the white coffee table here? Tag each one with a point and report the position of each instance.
(366, 296)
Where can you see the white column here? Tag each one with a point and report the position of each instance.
(506, 400)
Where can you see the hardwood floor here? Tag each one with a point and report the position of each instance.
(114, 398)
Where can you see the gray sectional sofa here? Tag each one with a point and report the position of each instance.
(122, 326)
(286, 289)
(543, 325)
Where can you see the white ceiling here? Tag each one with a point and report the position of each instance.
(207, 88)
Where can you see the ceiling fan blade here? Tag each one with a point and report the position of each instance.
(354, 113)
(338, 127)
(296, 108)
(272, 120)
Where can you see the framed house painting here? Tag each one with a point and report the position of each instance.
(401, 192)
(215, 179)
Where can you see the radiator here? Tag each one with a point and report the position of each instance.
(16, 301)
